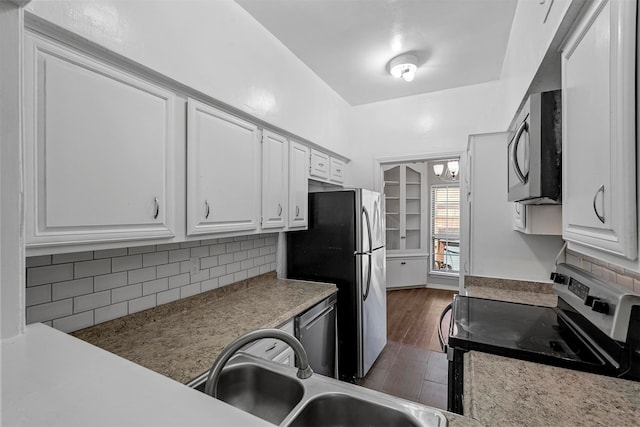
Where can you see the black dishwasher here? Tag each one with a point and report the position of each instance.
(316, 330)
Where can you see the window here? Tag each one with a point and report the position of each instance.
(445, 228)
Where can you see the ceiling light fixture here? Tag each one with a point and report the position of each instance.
(404, 66)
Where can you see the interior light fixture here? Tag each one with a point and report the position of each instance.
(448, 170)
(404, 66)
(453, 167)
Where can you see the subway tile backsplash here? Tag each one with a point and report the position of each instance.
(77, 290)
(626, 279)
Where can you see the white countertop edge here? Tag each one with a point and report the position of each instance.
(52, 379)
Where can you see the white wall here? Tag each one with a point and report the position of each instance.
(496, 249)
(432, 123)
(11, 230)
(217, 48)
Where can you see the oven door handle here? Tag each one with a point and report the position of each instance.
(443, 345)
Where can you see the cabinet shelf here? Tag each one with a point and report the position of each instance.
(392, 198)
(391, 183)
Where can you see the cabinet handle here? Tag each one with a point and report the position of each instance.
(403, 237)
(595, 209)
(273, 346)
(297, 210)
(320, 164)
(207, 209)
(279, 209)
(403, 263)
(156, 208)
(514, 160)
(338, 170)
(517, 207)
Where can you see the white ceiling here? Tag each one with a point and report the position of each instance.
(348, 43)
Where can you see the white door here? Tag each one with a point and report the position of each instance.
(98, 150)
(275, 154)
(223, 167)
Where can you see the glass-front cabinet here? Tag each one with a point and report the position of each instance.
(406, 207)
(403, 191)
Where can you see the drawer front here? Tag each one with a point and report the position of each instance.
(337, 170)
(319, 165)
(270, 348)
(406, 272)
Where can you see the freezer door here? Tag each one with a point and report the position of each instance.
(373, 304)
(373, 210)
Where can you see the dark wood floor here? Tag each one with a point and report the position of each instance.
(412, 365)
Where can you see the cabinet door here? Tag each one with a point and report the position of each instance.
(599, 181)
(298, 185)
(336, 170)
(319, 165)
(98, 150)
(223, 190)
(275, 156)
(406, 272)
(287, 357)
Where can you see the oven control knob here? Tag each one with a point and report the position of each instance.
(558, 278)
(600, 306)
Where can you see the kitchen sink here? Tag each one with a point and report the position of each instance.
(259, 391)
(344, 410)
(272, 391)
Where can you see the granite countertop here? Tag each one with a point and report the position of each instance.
(505, 391)
(181, 339)
(525, 292)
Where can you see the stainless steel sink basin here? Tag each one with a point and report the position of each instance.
(259, 391)
(273, 392)
(344, 410)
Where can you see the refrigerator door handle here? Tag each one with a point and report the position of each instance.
(368, 221)
(365, 294)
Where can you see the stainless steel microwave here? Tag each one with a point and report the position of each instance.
(535, 151)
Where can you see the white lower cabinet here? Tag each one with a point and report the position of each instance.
(98, 150)
(274, 349)
(287, 357)
(406, 271)
(223, 187)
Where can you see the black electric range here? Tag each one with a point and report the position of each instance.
(594, 328)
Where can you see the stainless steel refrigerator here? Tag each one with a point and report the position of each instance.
(344, 244)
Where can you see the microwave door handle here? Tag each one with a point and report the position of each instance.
(514, 160)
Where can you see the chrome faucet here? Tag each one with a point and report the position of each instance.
(304, 370)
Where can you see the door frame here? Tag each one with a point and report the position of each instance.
(379, 162)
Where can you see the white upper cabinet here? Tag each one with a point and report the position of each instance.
(336, 170)
(275, 156)
(98, 150)
(599, 142)
(298, 185)
(319, 165)
(223, 171)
